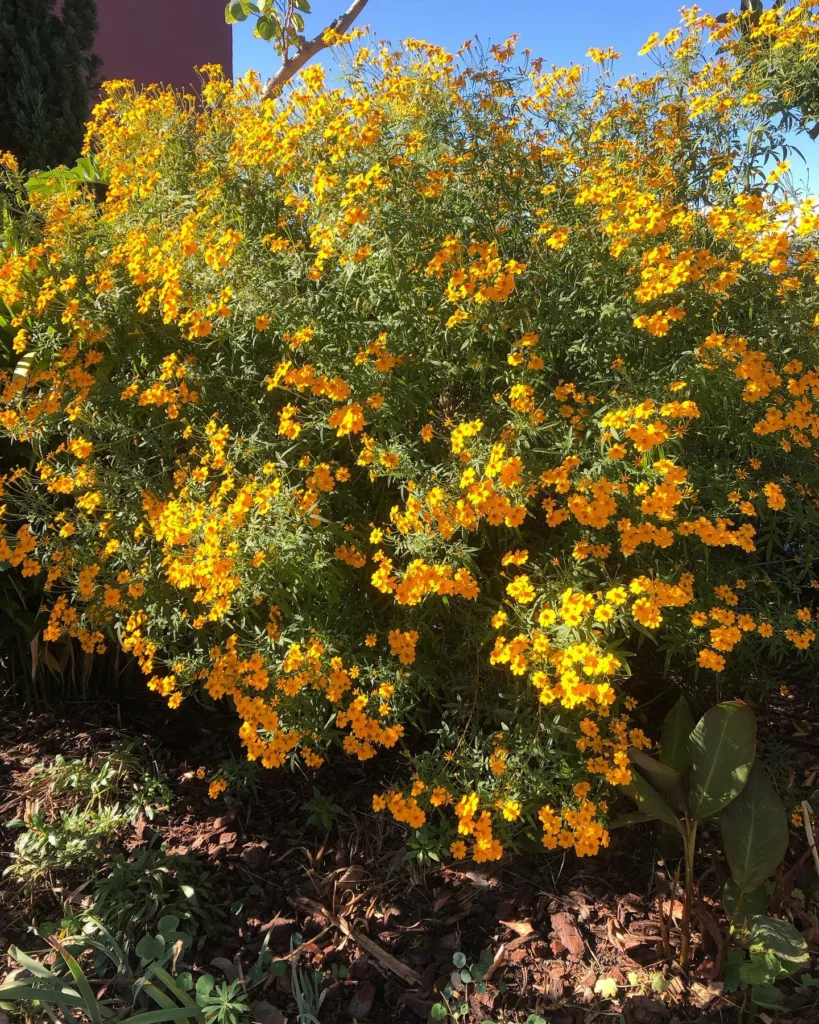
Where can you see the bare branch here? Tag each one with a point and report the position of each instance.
(310, 48)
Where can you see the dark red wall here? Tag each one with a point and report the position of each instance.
(162, 40)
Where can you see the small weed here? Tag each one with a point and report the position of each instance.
(465, 978)
(137, 890)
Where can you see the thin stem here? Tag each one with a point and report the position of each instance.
(689, 840)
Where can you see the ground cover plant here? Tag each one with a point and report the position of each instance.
(421, 410)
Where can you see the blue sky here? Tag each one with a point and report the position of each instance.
(559, 30)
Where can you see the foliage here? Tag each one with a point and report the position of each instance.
(789, 75)
(47, 74)
(75, 811)
(465, 979)
(281, 21)
(137, 890)
(421, 411)
(143, 987)
(708, 772)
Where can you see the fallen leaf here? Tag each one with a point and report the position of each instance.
(521, 928)
(606, 988)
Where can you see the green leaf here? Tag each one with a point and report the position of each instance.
(721, 749)
(204, 986)
(664, 779)
(267, 27)
(767, 996)
(739, 905)
(677, 727)
(754, 831)
(26, 994)
(238, 10)
(150, 948)
(770, 935)
(160, 1016)
(302, 5)
(459, 959)
(438, 1012)
(91, 1007)
(649, 802)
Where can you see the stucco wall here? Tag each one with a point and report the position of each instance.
(162, 40)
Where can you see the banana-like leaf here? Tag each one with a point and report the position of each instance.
(677, 727)
(663, 778)
(721, 749)
(754, 831)
(649, 801)
(739, 905)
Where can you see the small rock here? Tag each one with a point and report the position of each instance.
(255, 855)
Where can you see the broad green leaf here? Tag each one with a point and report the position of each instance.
(634, 818)
(739, 905)
(649, 801)
(664, 779)
(677, 727)
(754, 831)
(267, 27)
(762, 969)
(721, 749)
(767, 996)
(770, 935)
(237, 10)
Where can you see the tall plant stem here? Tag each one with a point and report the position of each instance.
(689, 842)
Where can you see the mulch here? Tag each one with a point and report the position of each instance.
(554, 925)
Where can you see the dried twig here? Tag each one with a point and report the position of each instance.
(405, 973)
(806, 812)
(310, 48)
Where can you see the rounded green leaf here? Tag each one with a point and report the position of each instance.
(721, 749)
(677, 727)
(770, 935)
(754, 831)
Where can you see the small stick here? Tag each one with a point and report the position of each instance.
(809, 833)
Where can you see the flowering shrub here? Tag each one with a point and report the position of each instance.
(398, 413)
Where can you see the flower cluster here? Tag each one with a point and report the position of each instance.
(428, 410)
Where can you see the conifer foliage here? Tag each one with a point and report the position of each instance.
(47, 75)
